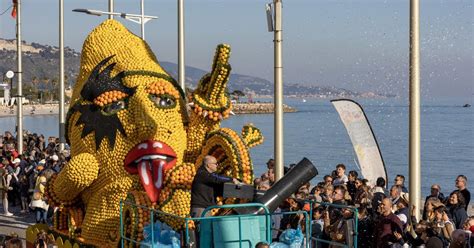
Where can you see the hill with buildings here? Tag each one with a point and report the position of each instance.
(40, 74)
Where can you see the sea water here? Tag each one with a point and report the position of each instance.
(316, 132)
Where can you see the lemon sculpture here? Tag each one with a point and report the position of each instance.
(134, 135)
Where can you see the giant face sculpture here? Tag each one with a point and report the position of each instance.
(131, 136)
(125, 127)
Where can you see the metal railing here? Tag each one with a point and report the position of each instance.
(355, 219)
(157, 214)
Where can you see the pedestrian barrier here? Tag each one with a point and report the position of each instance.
(230, 231)
(307, 223)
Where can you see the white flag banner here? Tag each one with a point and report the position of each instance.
(363, 139)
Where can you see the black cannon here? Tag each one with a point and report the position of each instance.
(272, 198)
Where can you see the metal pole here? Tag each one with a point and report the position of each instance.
(181, 67)
(111, 8)
(19, 102)
(278, 105)
(62, 121)
(414, 153)
(142, 20)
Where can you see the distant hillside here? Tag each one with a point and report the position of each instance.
(40, 65)
(40, 62)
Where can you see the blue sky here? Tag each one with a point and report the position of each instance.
(359, 45)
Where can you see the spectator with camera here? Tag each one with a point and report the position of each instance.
(443, 224)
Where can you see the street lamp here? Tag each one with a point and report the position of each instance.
(10, 75)
(274, 22)
(6, 95)
(62, 114)
(140, 19)
(19, 127)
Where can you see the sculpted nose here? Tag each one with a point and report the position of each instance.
(147, 124)
(145, 121)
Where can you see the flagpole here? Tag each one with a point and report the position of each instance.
(19, 131)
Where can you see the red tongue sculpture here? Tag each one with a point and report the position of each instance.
(154, 159)
(151, 174)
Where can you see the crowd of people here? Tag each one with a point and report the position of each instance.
(385, 218)
(23, 177)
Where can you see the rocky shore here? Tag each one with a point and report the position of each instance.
(258, 108)
(53, 109)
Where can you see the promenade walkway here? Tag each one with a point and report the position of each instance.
(16, 224)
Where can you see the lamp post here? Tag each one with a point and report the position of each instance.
(142, 11)
(181, 66)
(19, 103)
(140, 19)
(274, 22)
(414, 123)
(111, 8)
(62, 118)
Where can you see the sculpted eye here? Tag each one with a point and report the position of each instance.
(163, 100)
(114, 107)
(111, 102)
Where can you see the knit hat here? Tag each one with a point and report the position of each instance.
(55, 157)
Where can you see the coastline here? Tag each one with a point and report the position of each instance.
(30, 110)
(53, 109)
(258, 108)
